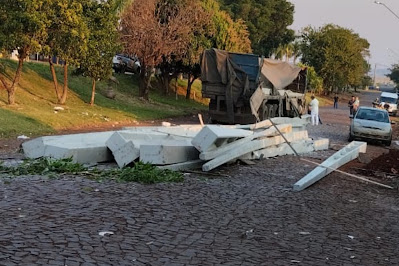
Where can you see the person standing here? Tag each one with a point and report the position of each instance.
(314, 110)
(350, 105)
(356, 105)
(336, 101)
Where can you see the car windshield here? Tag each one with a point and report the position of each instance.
(374, 115)
(388, 100)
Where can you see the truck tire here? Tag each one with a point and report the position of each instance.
(272, 108)
(264, 114)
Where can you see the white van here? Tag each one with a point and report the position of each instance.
(392, 100)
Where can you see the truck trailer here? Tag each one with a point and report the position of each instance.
(246, 88)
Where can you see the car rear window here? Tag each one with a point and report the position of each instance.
(374, 115)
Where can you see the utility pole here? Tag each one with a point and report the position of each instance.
(375, 68)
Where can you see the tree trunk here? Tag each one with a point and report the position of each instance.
(55, 81)
(166, 81)
(65, 89)
(144, 86)
(190, 82)
(142, 82)
(93, 91)
(11, 96)
(12, 88)
(147, 85)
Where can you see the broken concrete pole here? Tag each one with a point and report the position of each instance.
(84, 155)
(120, 138)
(181, 130)
(127, 154)
(252, 146)
(190, 165)
(270, 132)
(298, 124)
(341, 157)
(125, 145)
(34, 148)
(300, 146)
(188, 131)
(212, 136)
(168, 152)
(321, 144)
(83, 148)
(261, 124)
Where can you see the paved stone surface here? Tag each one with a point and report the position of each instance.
(251, 217)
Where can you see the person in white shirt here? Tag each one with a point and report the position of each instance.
(314, 110)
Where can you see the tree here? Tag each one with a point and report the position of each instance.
(337, 54)
(394, 75)
(315, 83)
(67, 40)
(187, 60)
(102, 44)
(231, 35)
(154, 30)
(267, 22)
(23, 26)
(219, 31)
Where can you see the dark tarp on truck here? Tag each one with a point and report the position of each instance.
(230, 79)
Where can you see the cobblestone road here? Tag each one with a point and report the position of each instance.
(251, 217)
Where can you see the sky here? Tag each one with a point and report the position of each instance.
(371, 21)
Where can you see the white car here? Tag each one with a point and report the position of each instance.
(390, 102)
(371, 124)
(122, 64)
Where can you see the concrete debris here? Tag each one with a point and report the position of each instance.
(168, 152)
(341, 157)
(182, 147)
(212, 136)
(82, 148)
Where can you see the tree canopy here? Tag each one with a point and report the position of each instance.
(337, 54)
(267, 22)
(23, 26)
(67, 38)
(102, 20)
(394, 75)
(153, 30)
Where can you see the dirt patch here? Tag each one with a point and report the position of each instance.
(388, 163)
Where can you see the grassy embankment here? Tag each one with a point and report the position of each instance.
(33, 114)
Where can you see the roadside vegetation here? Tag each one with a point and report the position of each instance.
(140, 172)
(167, 38)
(34, 113)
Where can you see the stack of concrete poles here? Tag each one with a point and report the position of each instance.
(181, 147)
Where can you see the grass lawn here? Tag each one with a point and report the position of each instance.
(35, 101)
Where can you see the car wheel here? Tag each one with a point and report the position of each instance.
(351, 138)
(388, 143)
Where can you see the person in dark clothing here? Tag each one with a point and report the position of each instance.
(336, 101)
(351, 105)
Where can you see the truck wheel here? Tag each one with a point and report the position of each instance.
(272, 110)
(264, 112)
